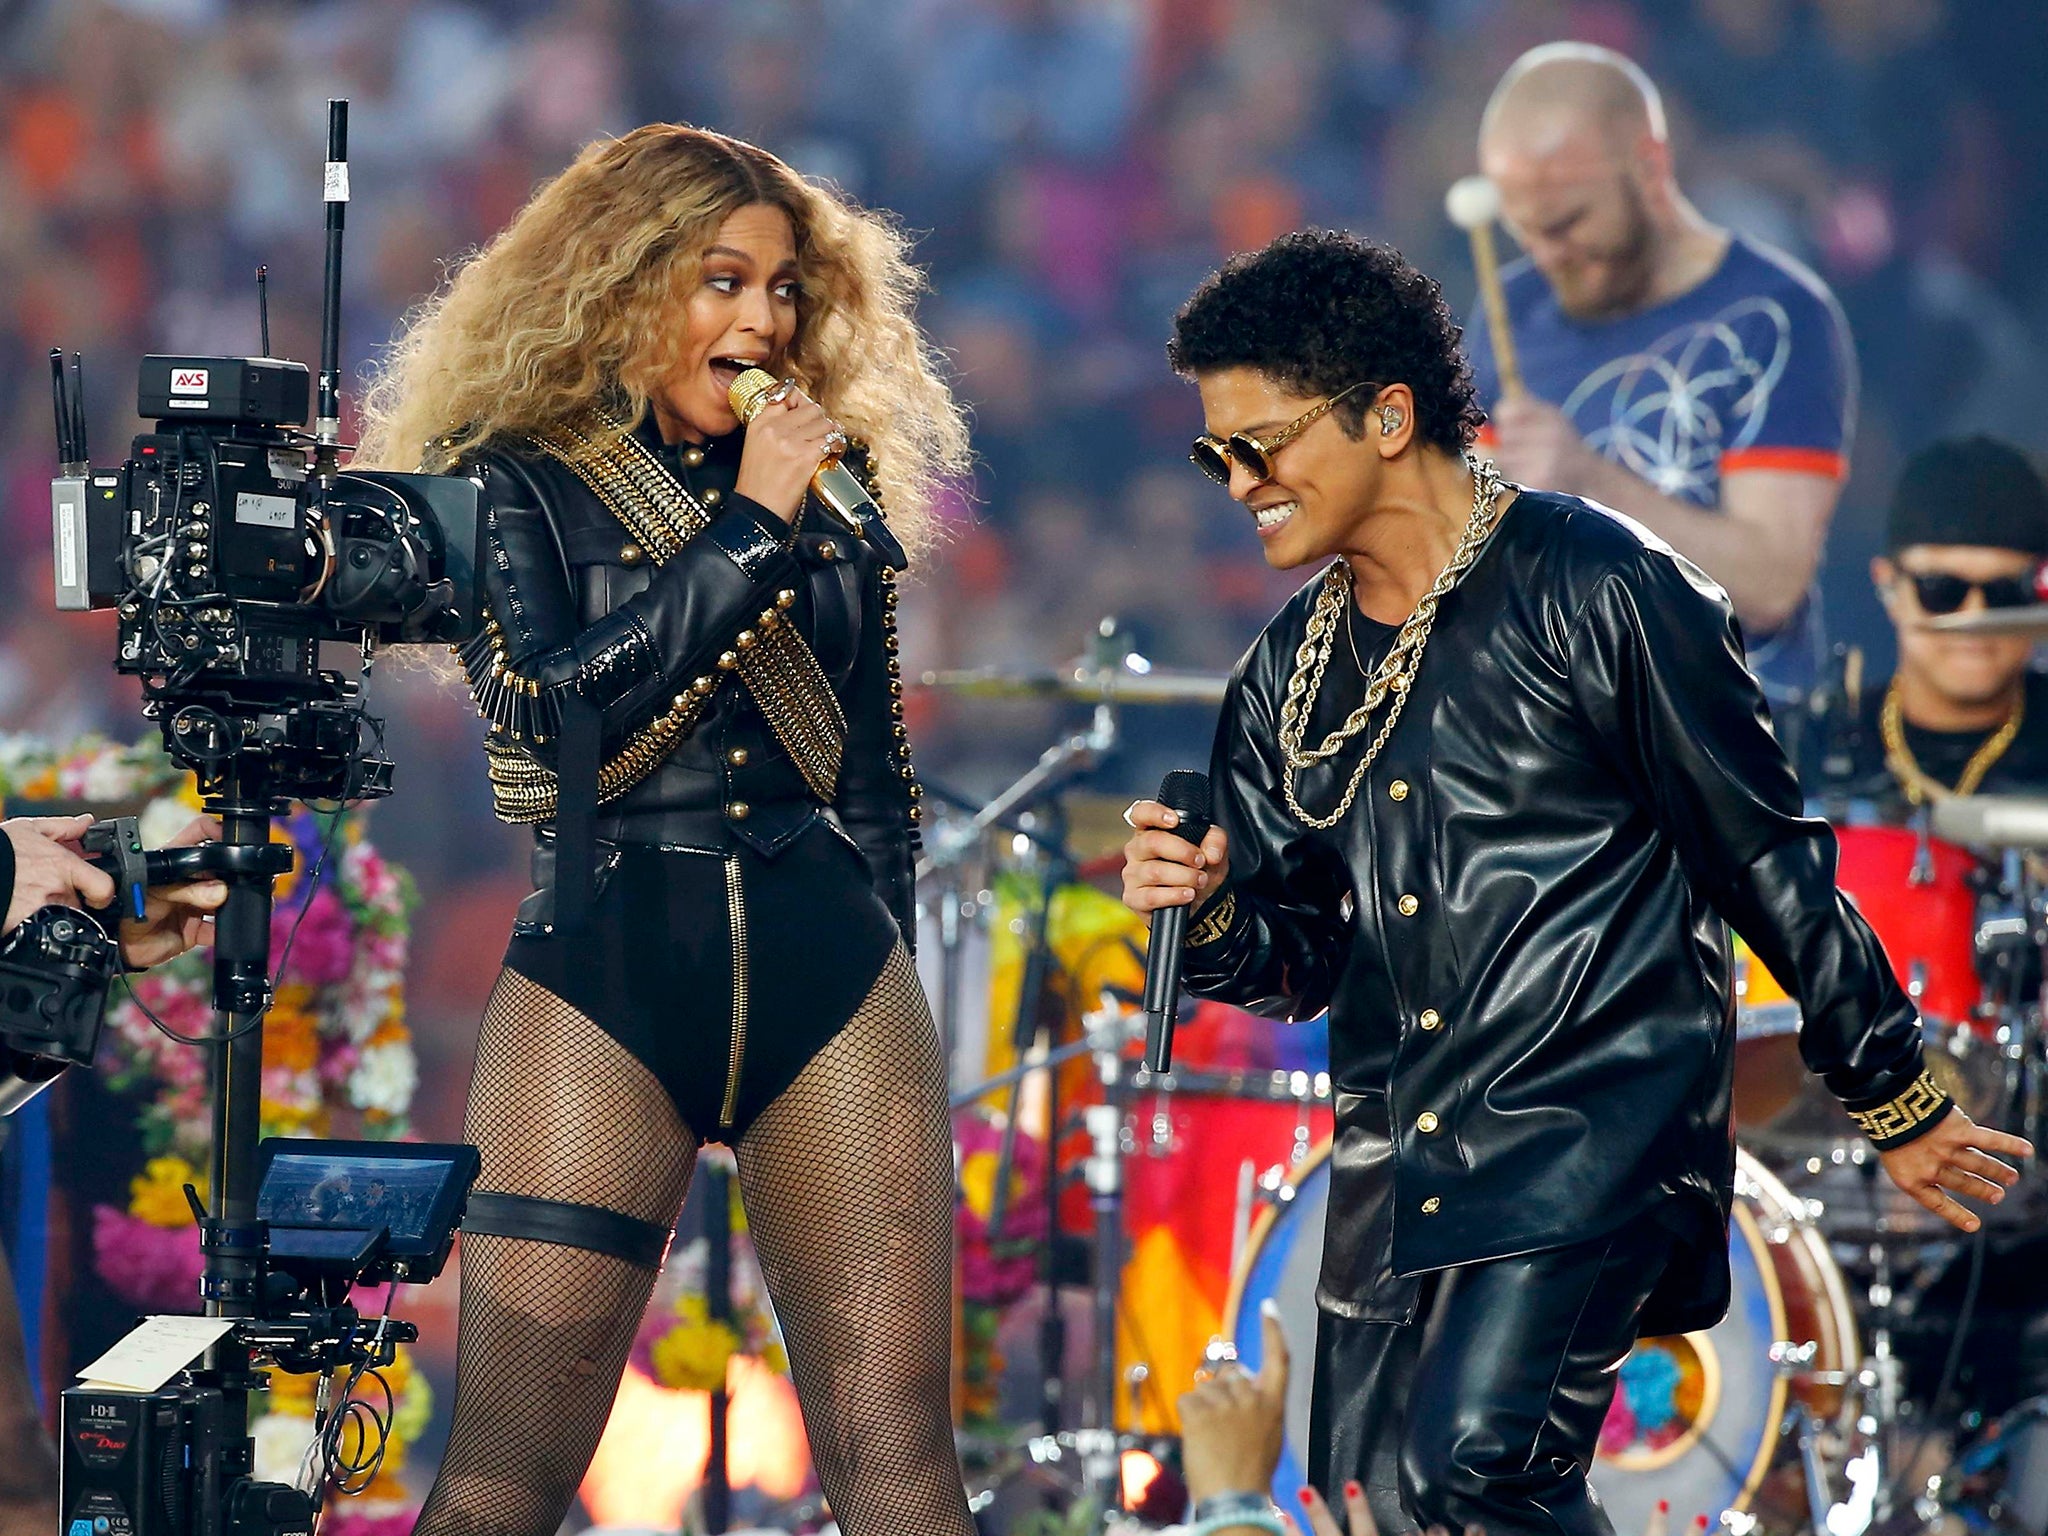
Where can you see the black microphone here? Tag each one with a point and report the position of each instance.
(1187, 793)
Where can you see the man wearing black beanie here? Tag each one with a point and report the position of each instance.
(1963, 714)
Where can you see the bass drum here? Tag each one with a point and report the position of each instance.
(1697, 1418)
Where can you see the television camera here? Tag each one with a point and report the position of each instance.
(236, 552)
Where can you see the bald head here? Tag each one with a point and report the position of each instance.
(1563, 92)
(1574, 141)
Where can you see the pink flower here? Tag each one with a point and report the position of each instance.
(154, 1268)
(324, 948)
(337, 1061)
(345, 1519)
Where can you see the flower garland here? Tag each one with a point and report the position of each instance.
(993, 1275)
(337, 1058)
(679, 1344)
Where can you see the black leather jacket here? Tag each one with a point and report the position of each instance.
(580, 605)
(1581, 796)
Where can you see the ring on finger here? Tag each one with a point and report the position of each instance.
(835, 442)
(1128, 820)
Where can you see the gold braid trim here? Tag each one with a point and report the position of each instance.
(1214, 923)
(771, 658)
(1921, 1102)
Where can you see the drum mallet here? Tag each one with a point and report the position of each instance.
(1473, 203)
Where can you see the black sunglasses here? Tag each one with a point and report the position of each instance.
(1939, 592)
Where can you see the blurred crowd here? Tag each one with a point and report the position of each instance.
(1072, 169)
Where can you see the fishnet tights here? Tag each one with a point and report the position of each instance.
(847, 1178)
(560, 1111)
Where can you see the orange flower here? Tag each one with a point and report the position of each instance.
(291, 1040)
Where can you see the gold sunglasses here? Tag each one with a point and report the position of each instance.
(1214, 456)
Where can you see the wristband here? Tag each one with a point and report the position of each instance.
(1214, 923)
(1906, 1118)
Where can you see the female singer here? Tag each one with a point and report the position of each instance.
(690, 681)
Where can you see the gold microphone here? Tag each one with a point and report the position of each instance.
(835, 486)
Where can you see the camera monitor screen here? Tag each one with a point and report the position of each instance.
(413, 1191)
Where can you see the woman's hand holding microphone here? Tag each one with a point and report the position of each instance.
(785, 444)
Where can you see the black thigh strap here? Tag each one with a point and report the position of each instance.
(573, 1226)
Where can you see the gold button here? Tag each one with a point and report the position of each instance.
(727, 660)
(713, 497)
(692, 457)
(1408, 906)
(1430, 1018)
(1426, 1122)
(1431, 1206)
(828, 550)
(1398, 790)
(737, 757)
(739, 810)
(630, 554)
(744, 640)
(786, 598)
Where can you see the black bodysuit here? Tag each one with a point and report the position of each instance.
(743, 908)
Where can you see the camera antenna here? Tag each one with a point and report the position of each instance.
(327, 423)
(78, 405)
(60, 398)
(263, 309)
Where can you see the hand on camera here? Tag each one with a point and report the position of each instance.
(174, 918)
(49, 868)
(1162, 869)
(784, 446)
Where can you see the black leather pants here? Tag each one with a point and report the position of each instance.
(1485, 1409)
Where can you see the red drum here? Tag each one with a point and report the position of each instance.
(1915, 893)
(1200, 1163)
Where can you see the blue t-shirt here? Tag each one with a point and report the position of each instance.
(1752, 369)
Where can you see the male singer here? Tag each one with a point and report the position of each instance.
(1697, 380)
(1505, 867)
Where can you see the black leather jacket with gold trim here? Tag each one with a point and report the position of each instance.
(1581, 799)
(691, 758)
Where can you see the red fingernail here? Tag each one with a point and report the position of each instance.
(1307, 1498)
(1352, 1490)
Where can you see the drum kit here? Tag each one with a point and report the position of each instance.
(1859, 1382)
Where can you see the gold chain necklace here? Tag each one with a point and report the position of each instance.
(1393, 675)
(1919, 785)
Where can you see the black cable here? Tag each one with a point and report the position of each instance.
(255, 1019)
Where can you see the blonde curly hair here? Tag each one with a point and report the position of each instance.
(573, 305)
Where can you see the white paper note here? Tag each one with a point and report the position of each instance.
(154, 1352)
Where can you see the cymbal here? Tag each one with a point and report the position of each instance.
(1088, 684)
(1996, 821)
(1995, 621)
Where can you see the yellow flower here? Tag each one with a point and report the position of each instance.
(692, 1356)
(292, 1394)
(978, 1183)
(157, 1194)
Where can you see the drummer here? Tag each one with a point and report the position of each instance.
(1964, 713)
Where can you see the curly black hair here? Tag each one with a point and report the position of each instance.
(1319, 310)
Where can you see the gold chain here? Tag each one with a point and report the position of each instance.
(1394, 675)
(1920, 786)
